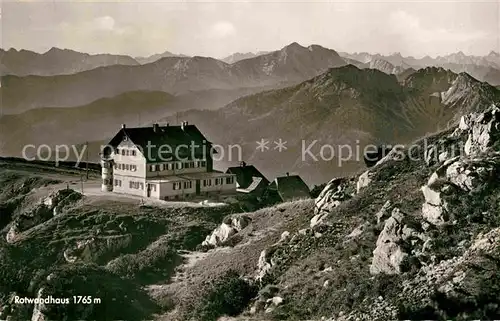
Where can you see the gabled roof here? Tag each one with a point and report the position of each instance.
(290, 187)
(245, 175)
(163, 141)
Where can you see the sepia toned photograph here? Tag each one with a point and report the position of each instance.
(249, 160)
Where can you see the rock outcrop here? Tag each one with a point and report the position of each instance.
(264, 264)
(469, 169)
(334, 193)
(38, 309)
(483, 130)
(389, 256)
(40, 213)
(226, 230)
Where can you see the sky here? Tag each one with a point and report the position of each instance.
(217, 29)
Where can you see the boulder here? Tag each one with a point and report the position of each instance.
(39, 308)
(389, 256)
(384, 212)
(483, 130)
(226, 230)
(364, 180)
(444, 149)
(12, 233)
(264, 264)
(336, 191)
(456, 174)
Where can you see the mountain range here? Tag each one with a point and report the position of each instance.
(296, 93)
(237, 56)
(485, 68)
(55, 62)
(175, 75)
(344, 106)
(155, 57)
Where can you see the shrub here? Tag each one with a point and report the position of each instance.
(228, 295)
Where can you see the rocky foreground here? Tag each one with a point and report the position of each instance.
(417, 236)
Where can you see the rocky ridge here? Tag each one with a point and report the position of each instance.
(434, 247)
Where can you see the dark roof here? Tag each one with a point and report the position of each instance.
(244, 175)
(164, 141)
(291, 187)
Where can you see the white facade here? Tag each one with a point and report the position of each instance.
(127, 172)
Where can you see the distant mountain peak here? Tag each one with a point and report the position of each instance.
(55, 49)
(396, 54)
(493, 54)
(294, 46)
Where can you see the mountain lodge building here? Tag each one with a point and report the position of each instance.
(162, 162)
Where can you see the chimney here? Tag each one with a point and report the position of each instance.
(287, 174)
(243, 164)
(184, 124)
(124, 126)
(155, 127)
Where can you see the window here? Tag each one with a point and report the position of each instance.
(130, 184)
(170, 166)
(229, 180)
(216, 181)
(188, 185)
(178, 165)
(126, 152)
(142, 185)
(207, 182)
(133, 152)
(153, 168)
(123, 152)
(203, 164)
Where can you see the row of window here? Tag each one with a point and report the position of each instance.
(178, 185)
(136, 185)
(218, 181)
(126, 152)
(177, 165)
(126, 167)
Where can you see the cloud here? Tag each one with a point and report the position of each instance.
(104, 23)
(418, 38)
(222, 29)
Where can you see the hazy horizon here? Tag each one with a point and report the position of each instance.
(219, 29)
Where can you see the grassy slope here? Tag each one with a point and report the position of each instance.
(304, 265)
(128, 247)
